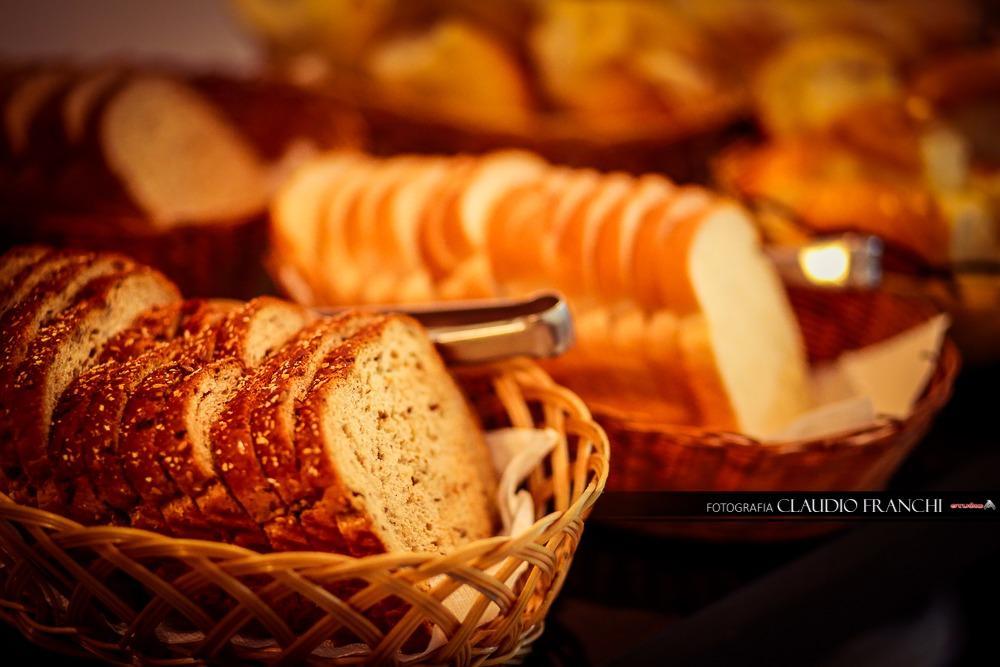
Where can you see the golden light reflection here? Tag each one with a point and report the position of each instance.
(827, 263)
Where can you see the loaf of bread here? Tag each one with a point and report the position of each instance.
(172, 169)
(680, 315)
(255, 423)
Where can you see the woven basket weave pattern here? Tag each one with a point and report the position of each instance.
(132, 597)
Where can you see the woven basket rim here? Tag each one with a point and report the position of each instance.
(526, 372)
(934, 397)
(489, 566)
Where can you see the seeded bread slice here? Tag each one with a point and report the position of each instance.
(255, 438)
(182, 438)
(86, 427)
(63, 277)
(68, 347)
(12, 263)
(21, 278)
(391, 449)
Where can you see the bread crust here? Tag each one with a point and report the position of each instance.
(84, 443)
(255, 457)
(41, 379)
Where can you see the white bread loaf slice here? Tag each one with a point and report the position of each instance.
(742, 349)
(296, 215)
(627, 363)
(341, 279)
(69, 346)
(566, 204)
(467, 221)
(387, 440)
(616, 239)
(472, 279)
(147, 131)
(243, 341)
(518, 230)
(83, 97)
(577, 243)
(370, 226)
(400, 242)
(651, 239)
(436, 218)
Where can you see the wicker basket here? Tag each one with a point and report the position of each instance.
(132, 597)
(657, 456)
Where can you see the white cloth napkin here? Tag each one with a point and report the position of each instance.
(860, 386)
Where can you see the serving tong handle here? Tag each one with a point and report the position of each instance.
(480, 331)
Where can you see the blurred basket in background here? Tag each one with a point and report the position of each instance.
(662, 457)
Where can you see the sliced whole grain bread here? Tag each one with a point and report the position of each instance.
(63, 275)
(391, 449)
(13, 262)
(84, 441)
(180, 442)
(254, 439)
(69, 346)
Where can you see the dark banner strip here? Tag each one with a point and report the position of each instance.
(783, 506)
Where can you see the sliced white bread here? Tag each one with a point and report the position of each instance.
(83, 97)
(653, 232)
(742, 348)
(616, 239)
(400, 243)
(466, 227)
(577, 243)
(147, 130)
(26, 101)
(436, 217)
(365, 236)
(296, 215)
(341, 279)
(518, 230)
(566, 205)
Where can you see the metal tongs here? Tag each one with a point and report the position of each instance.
(480, 331)
(858, 262)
